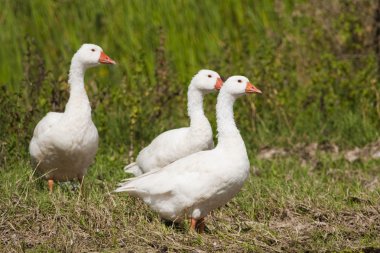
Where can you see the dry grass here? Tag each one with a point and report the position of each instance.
(285, 206)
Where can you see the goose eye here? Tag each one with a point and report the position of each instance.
(93, 50)
(209, 76)
(239, 81)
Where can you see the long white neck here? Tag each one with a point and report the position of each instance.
(227, 130)
(195, 107)
(78, 101)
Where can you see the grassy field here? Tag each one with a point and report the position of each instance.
(317, 63)
(284, 206)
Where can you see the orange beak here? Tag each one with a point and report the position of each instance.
(250, 88)
(105, 59)
(218, 84)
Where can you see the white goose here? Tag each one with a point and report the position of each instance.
(195, 185)
(64, 144)
(177, 143)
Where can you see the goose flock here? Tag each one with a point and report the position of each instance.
(180, 174)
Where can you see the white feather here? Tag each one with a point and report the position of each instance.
(64, 144)
(195, 185)
(178, 143)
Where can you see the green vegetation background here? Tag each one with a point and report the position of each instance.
(315, 61)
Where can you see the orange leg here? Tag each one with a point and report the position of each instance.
(193, 223)
(50, 184)
(201, 225)
(197, 225)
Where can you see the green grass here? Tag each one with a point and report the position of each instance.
(283, 206)
(318, 78)
(315, 62)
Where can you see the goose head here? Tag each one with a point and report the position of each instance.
(239, 85)
(90, 55)
(207, 81)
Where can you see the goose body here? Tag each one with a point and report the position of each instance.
(64, 144)
(197, 184)
(62, 147)
(181, 190)
(178, 143)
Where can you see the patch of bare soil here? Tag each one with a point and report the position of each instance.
(308, 152)
(301, 225)
(368, 152)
